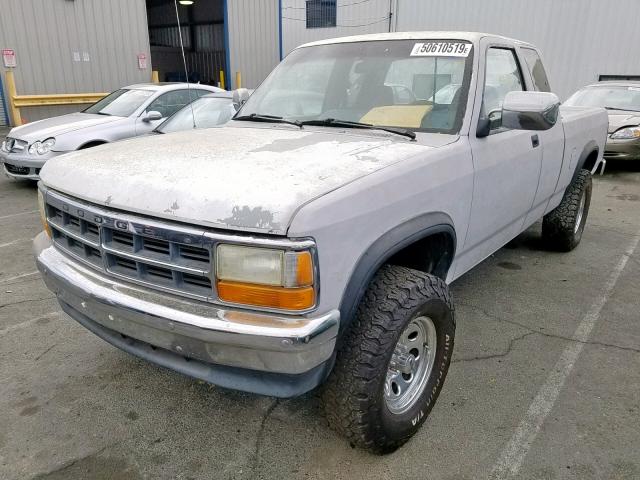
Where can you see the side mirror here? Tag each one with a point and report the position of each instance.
(152, 116)
(530, 110)
(240, 96)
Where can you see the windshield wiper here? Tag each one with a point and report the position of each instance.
(256, 117)
(103, 113)
(332, 122)
(621, 109)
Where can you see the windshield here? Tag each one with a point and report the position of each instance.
(208, 112)
(383, 83)
(618, 98)
(120, 103)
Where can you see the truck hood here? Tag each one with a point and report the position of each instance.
(619, 119)
(235, 177)
(56, 126)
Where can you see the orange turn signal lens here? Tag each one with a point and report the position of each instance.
(266, 296)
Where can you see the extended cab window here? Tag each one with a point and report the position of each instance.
(540, 80)
(501, 77)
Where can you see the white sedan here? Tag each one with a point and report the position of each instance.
(127, 112)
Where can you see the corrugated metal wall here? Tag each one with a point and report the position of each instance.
(253, 40)
(579, 39)
(353, 17)
(46, 33)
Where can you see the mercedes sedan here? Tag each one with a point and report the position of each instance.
(127, 112)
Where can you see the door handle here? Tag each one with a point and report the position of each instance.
(535, 141)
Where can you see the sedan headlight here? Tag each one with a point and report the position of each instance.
(627, 133)
(42, 148)
(265, 277)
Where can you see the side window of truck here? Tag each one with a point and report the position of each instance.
(540, 80)
(502, 75)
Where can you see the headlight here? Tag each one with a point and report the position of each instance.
(3, 147)
(265, 277)
(43, 214)
(42, 148)
(627, 133)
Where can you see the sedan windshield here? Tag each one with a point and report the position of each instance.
(120, 103)
(207, 111)
(417, 85)
(610, 97)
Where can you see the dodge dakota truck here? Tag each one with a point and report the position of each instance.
(311, 241)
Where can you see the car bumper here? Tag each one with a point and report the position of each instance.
(268, 354)
(622, 149)
(21, 165)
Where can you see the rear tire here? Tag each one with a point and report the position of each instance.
(562, 227)
(404, 333)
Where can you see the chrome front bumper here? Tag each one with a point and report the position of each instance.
(263, 353)
(24, 161)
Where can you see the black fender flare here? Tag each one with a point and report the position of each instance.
(589, 148)
(384, 248)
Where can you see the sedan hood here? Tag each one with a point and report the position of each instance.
(619, 119)
(235, 177)
(56, 126)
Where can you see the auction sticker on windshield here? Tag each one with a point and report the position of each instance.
(441, 49)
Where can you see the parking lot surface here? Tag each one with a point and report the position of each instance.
(544, 384)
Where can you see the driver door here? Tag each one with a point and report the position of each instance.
(167, 104)
(506, 164)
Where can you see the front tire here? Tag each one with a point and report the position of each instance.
(393, 362)
(562, 227)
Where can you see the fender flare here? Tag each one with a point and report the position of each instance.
(384, 248)
(589, 148)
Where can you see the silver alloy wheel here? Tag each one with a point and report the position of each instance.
(411, 365)
(580, 214)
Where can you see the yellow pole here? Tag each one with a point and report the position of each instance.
(11, 89)
(154, 76)
(222, 79)
(238, 80)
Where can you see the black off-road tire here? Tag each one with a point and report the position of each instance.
(353, 397)
(560, 228)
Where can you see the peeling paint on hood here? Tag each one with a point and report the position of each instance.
(241, 178)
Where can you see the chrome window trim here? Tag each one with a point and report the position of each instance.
(198, 237)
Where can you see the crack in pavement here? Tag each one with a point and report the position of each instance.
(73, 461)
(260, 435)
(495, 355)
(27, 301)
(545, 334)
(44, 353)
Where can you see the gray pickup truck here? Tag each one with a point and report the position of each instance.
(312, 240)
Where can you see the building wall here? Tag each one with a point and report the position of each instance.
(353, 17)
(45, 33)
(579, 39)
(253, 40)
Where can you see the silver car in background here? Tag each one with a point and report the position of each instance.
(127, 112)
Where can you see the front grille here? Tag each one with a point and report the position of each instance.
(170, 258)
(16, 170)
